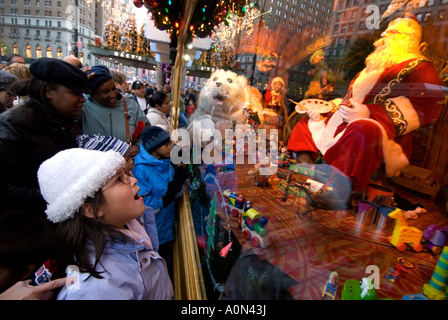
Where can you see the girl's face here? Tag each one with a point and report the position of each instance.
(106, 94)
(165, 107)
(66, 102)
(121, 200)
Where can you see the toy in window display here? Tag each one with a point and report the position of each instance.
(322, 185)
(331, 286)
(262, 171)
(274, 105)
(398, 92)
(404, 234)
(435, 238)
(402, 267)
(235, 204)
(437, 288)
(254, 104)
(359, 290)
(250, 220)
(323, 79)
(285, 158)
(253, 226)
(252, 118)
(417, 296)
(220, 104)
(273, 101)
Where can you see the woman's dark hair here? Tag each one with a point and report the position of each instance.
(157, 99)
(80, 231)
(34, 88)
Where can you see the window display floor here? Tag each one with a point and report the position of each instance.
(305, 245)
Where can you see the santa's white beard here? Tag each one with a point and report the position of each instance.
(391, 51)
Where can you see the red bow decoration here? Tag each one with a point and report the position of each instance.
(137, 131)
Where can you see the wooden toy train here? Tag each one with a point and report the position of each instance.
(250, 220)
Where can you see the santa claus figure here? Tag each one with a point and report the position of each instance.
(398, 92)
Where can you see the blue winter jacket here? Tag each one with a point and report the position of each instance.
(153, 176)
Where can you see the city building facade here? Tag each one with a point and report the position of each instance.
(47, 28)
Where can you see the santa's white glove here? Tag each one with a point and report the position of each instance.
(357, 111)
(314, 115)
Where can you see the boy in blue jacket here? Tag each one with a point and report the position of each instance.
(160, 184)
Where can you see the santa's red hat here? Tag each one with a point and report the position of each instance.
(407, 25)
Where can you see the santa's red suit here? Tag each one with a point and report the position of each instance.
(396, 108)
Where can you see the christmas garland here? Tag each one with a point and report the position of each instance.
(166, 14)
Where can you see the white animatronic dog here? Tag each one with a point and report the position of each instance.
(222, 102)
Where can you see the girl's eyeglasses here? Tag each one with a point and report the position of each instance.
(124, 178)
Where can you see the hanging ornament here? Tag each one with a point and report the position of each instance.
(151, 4)
(138, 3)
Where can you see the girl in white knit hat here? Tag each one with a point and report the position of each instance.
(95, 205)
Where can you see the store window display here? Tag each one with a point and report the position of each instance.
(303, 248)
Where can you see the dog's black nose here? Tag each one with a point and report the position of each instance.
(218, 84)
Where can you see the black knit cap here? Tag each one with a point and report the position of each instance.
(59, 72)
(101, 74)
(153, 138)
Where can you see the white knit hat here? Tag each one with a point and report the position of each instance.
(71, 176)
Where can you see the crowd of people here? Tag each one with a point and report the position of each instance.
(142, 92)
(72, 203)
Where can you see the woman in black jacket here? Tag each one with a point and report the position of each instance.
(38, 129)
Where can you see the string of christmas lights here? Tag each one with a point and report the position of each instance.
(223, 35)
(207, 14)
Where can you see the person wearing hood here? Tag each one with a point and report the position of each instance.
(104, 111)
(160, 184)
